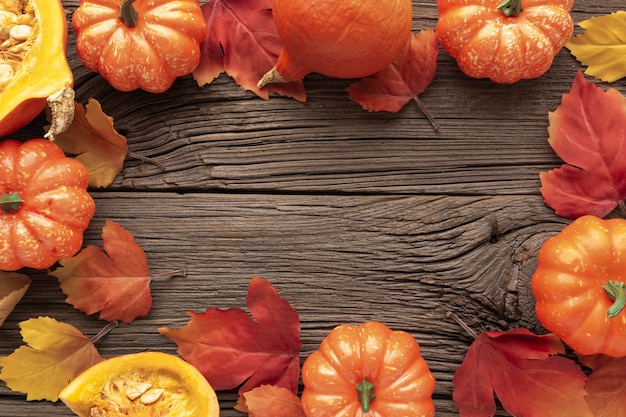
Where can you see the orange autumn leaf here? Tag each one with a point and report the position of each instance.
(587, 132)
(54, 354)
(270, 401)
(521, 369)
(13, 286)
(602, 46)
(403, 80)
(242, 41)
(232, 349)
(115, 283)
(95, 142)
(606, 386)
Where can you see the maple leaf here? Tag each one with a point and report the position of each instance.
(242, 40)
(403, 80)
(517, 366)
(602, 46)
(55, 353)
(231, 349)
(588, 131)
(13, 286)
(606, 386)
(117, 285)
(95, 142)
(270, 401)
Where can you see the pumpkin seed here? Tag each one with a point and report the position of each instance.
(136, 391)
(20, 32)
(151, 396)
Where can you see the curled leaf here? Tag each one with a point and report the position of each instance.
(95, 142)
(13, 286)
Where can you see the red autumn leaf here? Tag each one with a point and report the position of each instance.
(403, 80)
(242, 40)
(588, 131)
(517, 365)
(606, 386)
(230, 348)
(117, 284)
(270, 401)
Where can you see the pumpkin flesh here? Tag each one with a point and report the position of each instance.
(35, 68)
(143, 384)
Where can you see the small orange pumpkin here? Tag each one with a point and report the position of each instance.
(36, 67)
(343, 39)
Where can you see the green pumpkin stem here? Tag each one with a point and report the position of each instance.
(128, 13)
(511, 7)
(10, 202)
(617, 293)
(366, 394)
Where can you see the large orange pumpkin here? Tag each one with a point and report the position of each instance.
(34, 66)
(344, 39)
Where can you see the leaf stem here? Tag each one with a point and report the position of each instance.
(461, 323)
(146, 159)
(167, 275)
(105, 330)
(617, 293)
(427, 113)
(366, 394)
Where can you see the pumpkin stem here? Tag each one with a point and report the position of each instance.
(366, 394)
(128, 13)
(617, 293)
(10, 202)
(511, 7)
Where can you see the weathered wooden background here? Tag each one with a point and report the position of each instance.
(352, 216)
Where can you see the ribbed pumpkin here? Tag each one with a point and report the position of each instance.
(338, 38)
(37, 66)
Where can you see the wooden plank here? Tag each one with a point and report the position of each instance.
(402, 260)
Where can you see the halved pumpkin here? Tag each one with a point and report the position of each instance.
(142, 384)
(34, 68)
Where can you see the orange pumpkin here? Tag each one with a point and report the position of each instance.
(343, 39)
(34, 66)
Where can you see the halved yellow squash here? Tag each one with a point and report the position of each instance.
(146, 384)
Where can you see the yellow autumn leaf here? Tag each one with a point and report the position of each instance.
(95, 142)
(55, 353)
(602, 46)
(13, 286)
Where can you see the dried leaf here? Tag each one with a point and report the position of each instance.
(270, 401)
(13, 286)
(402, 81)
(55, 353)
(242, 40)
(231, 349)
(588, 131)
(95, 142)
(602, 46)
(117, 284)
(606, 386)
(517, 366)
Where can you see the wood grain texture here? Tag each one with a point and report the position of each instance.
(351, 215)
